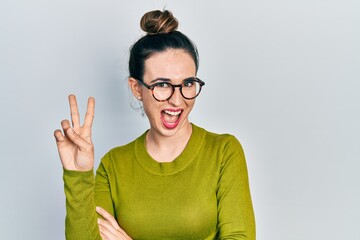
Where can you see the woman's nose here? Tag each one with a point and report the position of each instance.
(176, 99)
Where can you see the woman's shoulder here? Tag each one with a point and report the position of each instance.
(223, 145)
(123, 151)
(215, 137)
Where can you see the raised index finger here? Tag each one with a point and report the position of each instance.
(89, 117)
(75, 118)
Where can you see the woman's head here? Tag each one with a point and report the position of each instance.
(163, 67)
(161, 36)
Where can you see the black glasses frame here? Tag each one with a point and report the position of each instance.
(173, 86)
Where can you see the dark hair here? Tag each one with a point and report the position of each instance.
(161, 35)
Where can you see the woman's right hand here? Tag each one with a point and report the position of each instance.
(74, 143)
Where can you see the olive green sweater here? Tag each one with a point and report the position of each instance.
(202, 194)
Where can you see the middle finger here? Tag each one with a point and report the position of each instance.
(89, 112)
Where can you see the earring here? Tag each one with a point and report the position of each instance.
(139, 98)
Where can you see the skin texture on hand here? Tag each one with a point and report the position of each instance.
(74, 142)
(109, 228)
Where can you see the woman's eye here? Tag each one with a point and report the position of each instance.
(163, 85)
(189, 84)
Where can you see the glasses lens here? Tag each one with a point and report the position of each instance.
(191, 89)
(162, 91)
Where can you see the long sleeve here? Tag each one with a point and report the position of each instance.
(235, 210)
(102, 189)
(81, 217)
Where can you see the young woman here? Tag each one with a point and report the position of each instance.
(177, 180)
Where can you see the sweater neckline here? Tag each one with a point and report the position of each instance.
(189, 153)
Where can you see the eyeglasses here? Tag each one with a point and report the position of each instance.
(163, 91)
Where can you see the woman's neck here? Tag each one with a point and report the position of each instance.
(167, 148)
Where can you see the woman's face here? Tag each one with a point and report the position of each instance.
(169, 117)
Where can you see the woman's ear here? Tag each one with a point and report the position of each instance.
(135, 88)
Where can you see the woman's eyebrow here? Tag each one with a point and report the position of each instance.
(160, 79)
(169, 80)
(189, 78)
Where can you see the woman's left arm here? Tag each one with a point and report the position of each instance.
(235, 210)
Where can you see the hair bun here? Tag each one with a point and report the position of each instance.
(156, 21)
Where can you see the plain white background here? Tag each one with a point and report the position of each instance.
(282, 76)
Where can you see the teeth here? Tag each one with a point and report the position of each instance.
(172, 113)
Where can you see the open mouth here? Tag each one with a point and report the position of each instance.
(170, 118)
